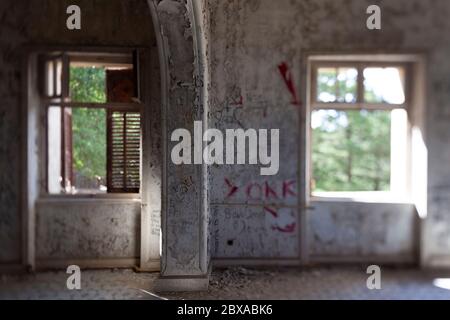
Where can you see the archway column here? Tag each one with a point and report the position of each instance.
(184, 217)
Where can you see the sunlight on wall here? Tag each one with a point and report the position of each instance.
(443, 283)
(419, 172)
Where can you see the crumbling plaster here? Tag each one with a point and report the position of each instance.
(250, 40)
(183, 63)
(220, 61)
(80, 231)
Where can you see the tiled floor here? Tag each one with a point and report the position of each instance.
(236, 283)
(98, 284)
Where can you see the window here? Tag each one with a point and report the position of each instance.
(93, 123)
(358, 122)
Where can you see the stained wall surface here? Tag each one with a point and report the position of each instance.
(87, 230)
(255, 63)
(258, 50)
(43, 23)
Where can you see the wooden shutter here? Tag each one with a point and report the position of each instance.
(124, 151)
(124, 134)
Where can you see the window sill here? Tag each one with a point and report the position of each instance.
(360, 196)
(91, 198)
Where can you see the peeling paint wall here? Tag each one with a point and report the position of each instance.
(203, 40)
(257, 48)
(185, 214)
(42, 23)
(236, 64)
(87, 229)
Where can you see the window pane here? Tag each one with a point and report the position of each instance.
(384, 85)
(54, 145)
(87, 84)
(351, 150)
(337, 85)
(59, 67)
(89, 150)
(49, 78)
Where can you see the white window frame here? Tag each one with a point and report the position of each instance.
(63, 100)
(400, 127)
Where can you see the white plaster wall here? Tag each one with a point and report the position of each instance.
(249, 41)
(342, 231)
(87, 229)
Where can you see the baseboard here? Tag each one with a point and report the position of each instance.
(149, 266)
(12, 268)
(313, 260)
(48, 264)
(256, 262)
(387, 260)
(436, 262)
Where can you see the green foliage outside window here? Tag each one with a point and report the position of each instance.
(337, 85)
(351, 150)
(87, 84)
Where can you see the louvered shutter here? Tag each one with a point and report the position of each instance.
(124, 151)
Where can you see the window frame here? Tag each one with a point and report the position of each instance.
(89, 55)
(360, 103)
(359, 62)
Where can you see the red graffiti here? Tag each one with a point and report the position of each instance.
(287, 188)
(263, 191)
(238, 103)
(282, 219)
(269, 191)
(249, 190)
(271, 211)
(233, 188)
(287, 229)
(289, 81)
